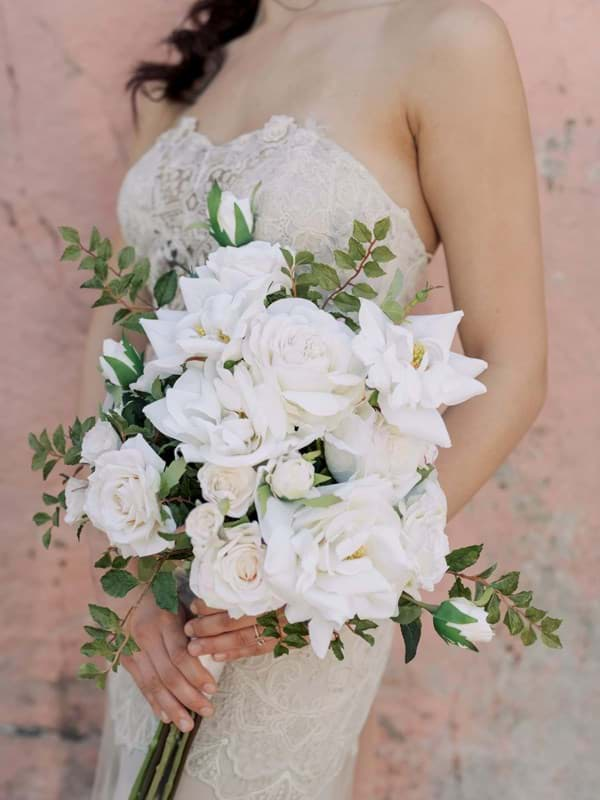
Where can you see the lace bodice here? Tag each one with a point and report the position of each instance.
(284, 729)
(311, 191)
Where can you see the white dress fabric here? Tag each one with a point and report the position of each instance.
(287, 728)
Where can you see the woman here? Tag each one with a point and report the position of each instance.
(343, 109)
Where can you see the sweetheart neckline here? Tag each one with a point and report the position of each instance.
(310, 125)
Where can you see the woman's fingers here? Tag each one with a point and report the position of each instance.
(215, 624)
(247, 652)
(198, 606)
(178, 685)
(197, 675)
(224, 642)
(162, 701)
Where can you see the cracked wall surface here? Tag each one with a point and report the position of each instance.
(523, 726)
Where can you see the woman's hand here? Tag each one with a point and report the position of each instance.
(170, 678)
(214, 632)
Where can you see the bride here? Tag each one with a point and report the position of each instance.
(343, 109)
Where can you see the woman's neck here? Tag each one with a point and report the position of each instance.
(282, 10)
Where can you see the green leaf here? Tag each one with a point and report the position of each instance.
(95, 633)
(125, 374)
(485, 597)
(373, 270)
(88, 671)
(97, 647)
(105, 299)
(549, 624)
(132, 322)
(126, 257)
(327, 277)
(56, 517)
(120, 562)
(104, 249)
(165, 288)
(145, 567)
(412, 635)
(58, 440)
(528, 636)
(373, 399)
(104, 617)
(72, 456)
(324, 501)
(130, 647)
(393, 310)
(343, 260)
(360, 232)
(295, 640)
(92, 283)
(336, 645)
(243, 234)
(382, 228)
(304, 257)
(118, 582)
(463, 558)
(164, 589)
(47, 538)
(493, 609)
(507, 584)
(95, 239)
(69, 235)
(48, 467)
(460, 590)
(72, 252)
(41, 518)
(321, 478)
(104, 561)
(280, 650)
(299, 628)
(551, 640)
(407, 613)
(383, 254)
(289, 258)
(141, 273)
(171, 476)
(263, 493)
(355, 249)
(364, 290)
(346, 302)
(88, 262)
(522, 599)
(487, 572)
(49, 499)
(513, 621)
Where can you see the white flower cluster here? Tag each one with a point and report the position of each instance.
(253, 388)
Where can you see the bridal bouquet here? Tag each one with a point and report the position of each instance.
(278, 443)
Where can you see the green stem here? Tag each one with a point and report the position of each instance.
(170, 744)
(150, 753)
(427, 606)
(179, 758)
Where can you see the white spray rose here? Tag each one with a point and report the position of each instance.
(424, 514)
(365, 444)
(331, 562)
(290, 477)
(459, 618)
(230, 488)
(98, 440)
(305, 356)
(230, 575)
(75, 493)
(226, 215)
(202, 525)
(122, 499)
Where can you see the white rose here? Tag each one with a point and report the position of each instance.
(202, 525)
(224, 417)
(98, 440)
(230, 575)
(305, 355)
(424, 514)
(462, 616)
(122, 499)
(75, 492)
(330, 563)
(231, 269)
(226, 217)
(365, 444)
(231, 488)
(115, 350)
(412, 368)
(291, 477)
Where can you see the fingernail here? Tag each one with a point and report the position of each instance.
(164, 716)
(185, 724)
(209, 688)
(194, 607)
(189, 630)
(220, 657)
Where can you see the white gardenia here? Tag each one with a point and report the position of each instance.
(226, 213)
(75, 493)
(202, 525)
(229, 488)
(232, 269)
(424, 515)
(98, 440)
(224, 417)
(412, 368)
(477, 631)
(122, 499)
(114, 349)
(291, 477)
(305, 356)
(330, 563)
(230, 575)
(365, 444)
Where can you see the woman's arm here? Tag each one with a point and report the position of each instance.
(478, 175)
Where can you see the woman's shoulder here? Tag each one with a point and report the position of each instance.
(154, 116)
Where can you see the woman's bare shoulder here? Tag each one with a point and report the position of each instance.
(153, 118)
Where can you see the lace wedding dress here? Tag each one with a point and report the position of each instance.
(287, 728)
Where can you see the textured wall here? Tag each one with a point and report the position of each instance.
(453, 727)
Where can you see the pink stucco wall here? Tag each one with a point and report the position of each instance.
(453, 727)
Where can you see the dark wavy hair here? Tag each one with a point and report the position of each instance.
(198, 47)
